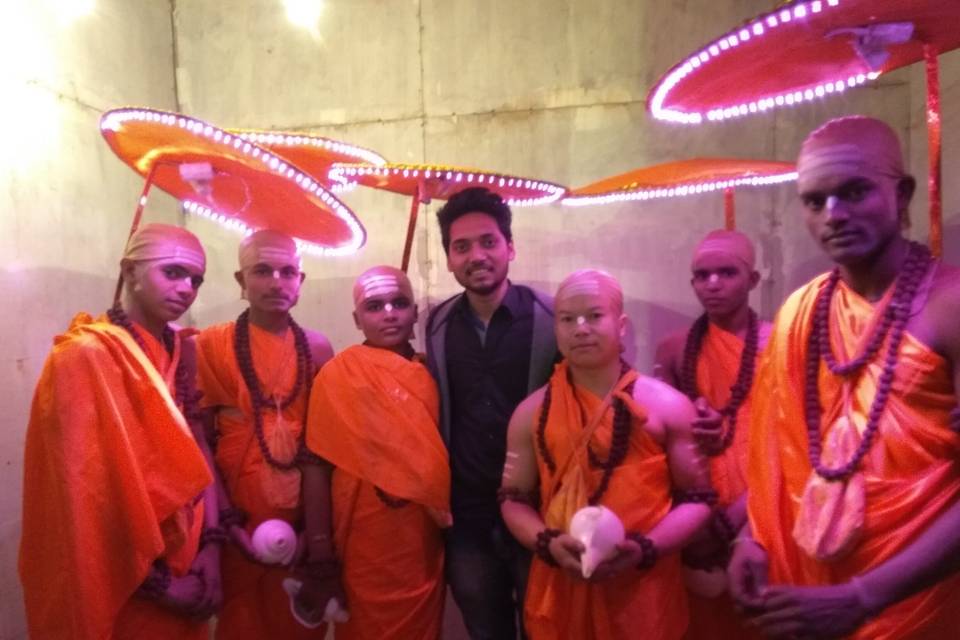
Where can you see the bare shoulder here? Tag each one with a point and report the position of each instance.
(320, 347)
(521, 422)
(663, 401)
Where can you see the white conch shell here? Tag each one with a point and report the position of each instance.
(600, 531)
(334, 612)
(275, 542)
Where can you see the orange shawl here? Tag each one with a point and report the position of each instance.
(255, 604)
(910, 474)
(373, 415)
(111, 477)
(560, 606)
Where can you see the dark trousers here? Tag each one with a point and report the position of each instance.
(487, 573)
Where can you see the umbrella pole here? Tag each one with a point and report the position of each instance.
(411, 227)
(729, 211)
(137, 215)
(933, 149)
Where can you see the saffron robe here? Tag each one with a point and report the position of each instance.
(910, 474)
(717, 369)
(254, 602)
(651, 603)
(373, 415)
(112, 482)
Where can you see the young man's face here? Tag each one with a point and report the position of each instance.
(272, 285)
(386, 319)
(479, 254)
(852, 213)
(164, 289)
(589, 329)
(722, 283)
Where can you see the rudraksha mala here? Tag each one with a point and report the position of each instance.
(244, 355)
(619, 442)
(515, 494)
(649, 557)
(213, 535)
(892, 324)
(157, 582)
(741, 386)
(703, 495)
(185, 391)
(542, 546)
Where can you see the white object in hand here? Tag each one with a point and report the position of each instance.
(274, 542)
(332, 613)
(600, 531)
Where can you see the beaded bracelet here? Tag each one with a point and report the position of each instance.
(705, 495)
(157, 582)
(515, 494)
(232, 517)
(213, 535)
(722, 527)
(649, 550)
(542, 546)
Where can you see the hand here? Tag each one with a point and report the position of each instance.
(811, 612)
(315, 593)
(184, 594)
(206, 566)
(566, 551)
(707, 427)
(629, 554)
(747, 574)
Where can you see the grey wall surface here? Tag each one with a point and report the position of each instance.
(552, 89)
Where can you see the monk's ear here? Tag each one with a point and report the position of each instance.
(754, 279)
(128, 271)
(905, 189)
(303, 276)
(623, 325)
(356, 321)
(238, 276)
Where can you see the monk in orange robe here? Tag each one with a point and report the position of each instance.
(382, 478)
(254, 374)
(713, 363)
(113, 476)
(601, 434)
(854, 498)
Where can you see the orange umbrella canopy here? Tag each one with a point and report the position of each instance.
(426, 182)
(313, 154)
(804, 50)
(221, 176)
(682, 178)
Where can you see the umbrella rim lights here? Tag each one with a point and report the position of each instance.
(681, 189)
(114, 119)
(347, 175)
(756, 28)
(281, 139)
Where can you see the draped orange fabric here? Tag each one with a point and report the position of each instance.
(373, 415)
(651, 603)
(255, 604)
(910, 474)
(112, 478)
(717, 370)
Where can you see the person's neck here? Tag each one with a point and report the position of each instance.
(153, 326)
(735, 322)
(598, 380)
(404, 349)
(484, 305)
(872, 276)
(275, 322)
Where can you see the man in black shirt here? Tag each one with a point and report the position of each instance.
(488, 348)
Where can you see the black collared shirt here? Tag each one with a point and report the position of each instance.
(488, 370)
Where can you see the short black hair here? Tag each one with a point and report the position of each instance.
(474, 200)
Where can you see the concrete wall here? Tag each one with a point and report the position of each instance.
(542, 88)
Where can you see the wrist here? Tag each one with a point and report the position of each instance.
(542, 545)
(648, 550)
(869, 600)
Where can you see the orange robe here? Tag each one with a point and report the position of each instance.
(373, 415)
(651, 603)
(910, 475)
(255, 604)
(112, 481)
(717, 369)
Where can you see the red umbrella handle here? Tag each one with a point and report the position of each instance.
(411, 227)
(137, 215)
(729, 210)
(933, 149)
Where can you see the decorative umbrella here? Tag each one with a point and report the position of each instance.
(424, 182)
(685, 178)
(314, 154)
(806, 50)
(225, 178)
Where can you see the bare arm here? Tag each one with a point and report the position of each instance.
(320, 349)
(666, 361)
(318, 512)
